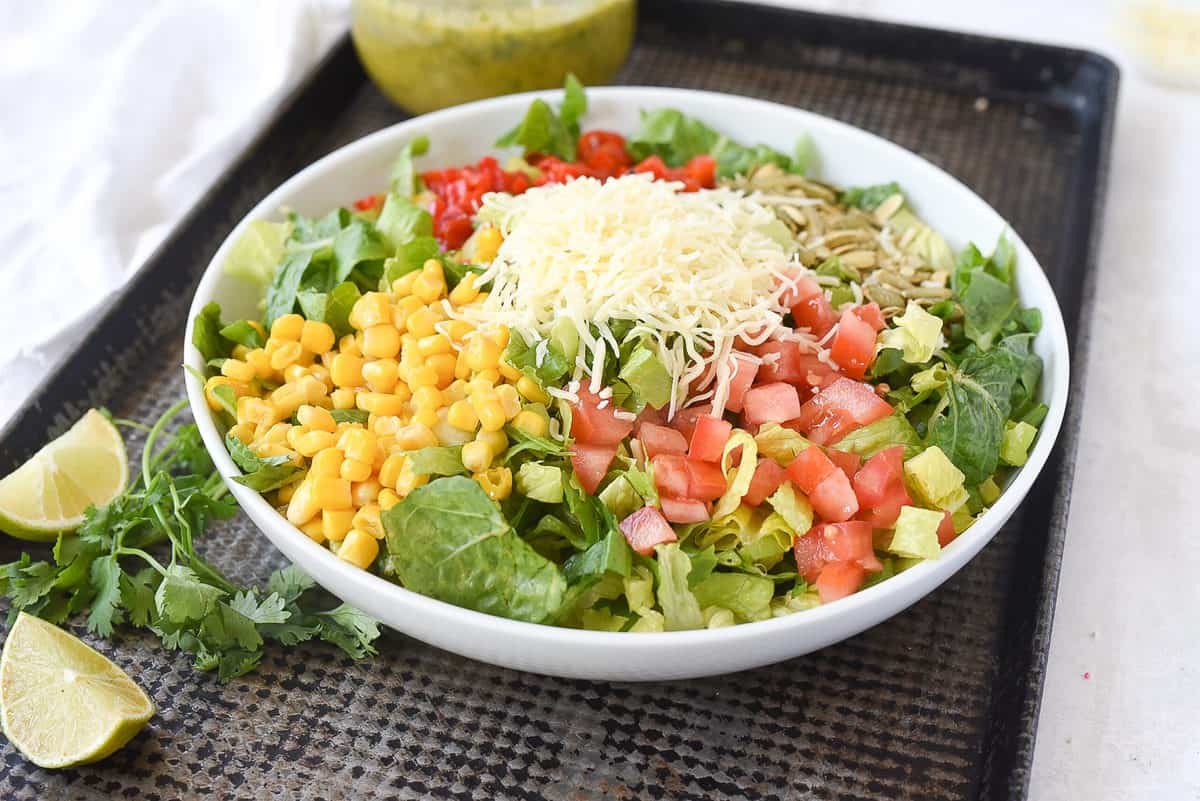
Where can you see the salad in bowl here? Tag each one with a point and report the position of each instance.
(626, 381)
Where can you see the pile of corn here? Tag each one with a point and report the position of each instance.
(424, 377)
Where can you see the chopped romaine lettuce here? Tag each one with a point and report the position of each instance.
(258, 251)
(933, 478)
(779, 443)
(881, 435)
(621, 498)
(793, 507)
(739, 478)
(643, 371)
(602, 619)
(917, 334)
(1014, 447)
(747, 597)
(916, 534)
(680, 608)
(540, 482)
(404, 176)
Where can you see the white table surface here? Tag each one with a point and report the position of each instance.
(1121, 711)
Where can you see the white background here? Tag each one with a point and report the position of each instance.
(117, 116)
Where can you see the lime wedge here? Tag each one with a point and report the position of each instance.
(62, 703)
(49, 493)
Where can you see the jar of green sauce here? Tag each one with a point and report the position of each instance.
(429, 54)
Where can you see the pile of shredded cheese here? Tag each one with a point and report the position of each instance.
(693, 270)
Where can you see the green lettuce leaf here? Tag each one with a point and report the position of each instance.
(448, 540)
(680, 608)
(404, 174)
(261, 474)
(748, 597)
(740, 477)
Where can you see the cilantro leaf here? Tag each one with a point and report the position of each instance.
(268, 610)
(182, 596)
(350, 630)
(106, 578)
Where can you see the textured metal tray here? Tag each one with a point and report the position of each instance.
(939, 703)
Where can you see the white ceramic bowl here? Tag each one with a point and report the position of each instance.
(848, 156)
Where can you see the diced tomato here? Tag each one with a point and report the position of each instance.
(799, 287)
(709, 438)
(812, 554)
(646, 528)
(653, 165)
(768, 476)
(741, 377)
(651, 415)
(556, 171)
(810, 467)
(671, 474)
(853, 345)
(787, 361)
(851, 542)
(453, 227)
(814, 313)
(878, 475)
(591, 463)
(871, 314)
(945, 531)
(684, 510)
(658, 439)
(834, 499)
(369, 202)
(706, 482)
(839, 579)
(840, 408)
(847, 462)
(702, 170)
(594, 425)
(603, 150)
(684, 420)
(771, 403)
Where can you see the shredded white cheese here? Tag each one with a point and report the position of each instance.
(694, 270)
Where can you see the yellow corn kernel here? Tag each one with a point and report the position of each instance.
(293, 434)
(243, 432)
(261, 362)
(491, 415)
(327, 463)
(379, 403)
(406, 308)
(239, 352)
(462, 370)
(367, 519)
(432, 269)
(314, 530)
(381, 342)
(415, 436)
(344, 398)
(336, 523)
(347, 370)
(389, 473)
(303, 505)
(421, 322)
(364, 492)
(491, 375)
(358, 444)
(457, 330)
(311, 443)
(294, 372)
(476, 456)
(428, 397)
(238, 370)
(211, 384)
(284, 494)
(359, 549)
(531, 390)
(331, 493)
(287, 327)
(423, 376)
(465, 292)
(497, 441)
(354, 470)
(444, 365)
(288, 354)
(462, 416)
(286, 400)
(402, 286)
(482, 352)
(277, 433)
(313, 390)
(501, 336)
(496, 482)
(531, 423)
(456, 391)
(433, 344)
(317, 337)
(487, 243)
(381, 375)
(387, 499)
(349, 344)
(321, 374)
(316, 418)
(384, 425)
(426, 417)
(508, 372)
(370, 310)
(509, 399)
(255, 411)
(428, 290)
(409, 481)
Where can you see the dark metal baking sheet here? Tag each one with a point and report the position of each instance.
(939, 703)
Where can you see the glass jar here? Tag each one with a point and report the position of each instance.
(429, 54)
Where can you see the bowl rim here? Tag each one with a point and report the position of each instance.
(953, 557)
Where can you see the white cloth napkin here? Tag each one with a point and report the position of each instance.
(116, 118)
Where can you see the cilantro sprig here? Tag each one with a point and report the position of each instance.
(107, 569)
